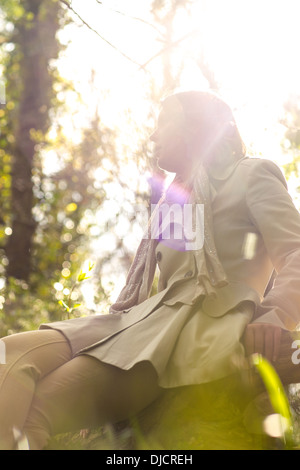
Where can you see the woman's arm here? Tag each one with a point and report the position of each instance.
(274, 214)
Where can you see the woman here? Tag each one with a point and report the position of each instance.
(209, 312)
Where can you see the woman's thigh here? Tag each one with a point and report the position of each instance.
(43, 349)
(26, 358)
(86, 392)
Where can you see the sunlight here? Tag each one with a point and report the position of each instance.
(249, 46)
(179, 265)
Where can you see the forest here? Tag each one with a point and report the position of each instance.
(80, 90)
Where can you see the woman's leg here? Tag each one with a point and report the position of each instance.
(43, 391)
(29, 357)
(85, 392)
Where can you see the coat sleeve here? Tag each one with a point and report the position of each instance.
(275, 216)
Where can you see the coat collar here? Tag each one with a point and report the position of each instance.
(221, 172)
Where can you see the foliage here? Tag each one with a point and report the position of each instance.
(70, 306)
(277, 396)
(291, 142)
(61, 199)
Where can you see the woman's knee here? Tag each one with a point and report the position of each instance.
(29, 356)
(47, 346)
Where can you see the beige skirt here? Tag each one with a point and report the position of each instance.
(184, 344)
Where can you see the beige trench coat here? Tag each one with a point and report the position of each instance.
(249, 202)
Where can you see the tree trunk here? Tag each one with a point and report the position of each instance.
(35, 39)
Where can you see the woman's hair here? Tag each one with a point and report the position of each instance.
(209, 122)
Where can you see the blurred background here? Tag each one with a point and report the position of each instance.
(80, 89)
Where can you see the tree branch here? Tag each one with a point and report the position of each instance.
(68, 5)
(131, 17)
(169, 46)
(141, 66)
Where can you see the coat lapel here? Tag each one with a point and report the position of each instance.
(218, 175)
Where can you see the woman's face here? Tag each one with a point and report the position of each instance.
(169, 138)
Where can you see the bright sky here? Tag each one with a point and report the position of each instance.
(252, 46)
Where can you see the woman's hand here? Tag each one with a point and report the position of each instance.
(262, 338)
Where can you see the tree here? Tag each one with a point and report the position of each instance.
(43, 239)
(34, 37)
(291, 142)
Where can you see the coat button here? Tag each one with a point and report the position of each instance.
(188, 274)
(158, 256)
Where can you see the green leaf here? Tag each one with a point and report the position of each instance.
(64, 305)
(91, 265)
(82, 276)
(275, 389)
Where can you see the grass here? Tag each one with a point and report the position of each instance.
(190, 418)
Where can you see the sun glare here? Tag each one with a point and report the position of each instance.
(248, 47)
